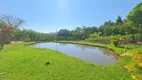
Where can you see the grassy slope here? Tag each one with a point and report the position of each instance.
(19, 62)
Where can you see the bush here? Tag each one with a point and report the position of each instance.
(117, 40)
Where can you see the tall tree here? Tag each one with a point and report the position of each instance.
(119, 20)
(8, 23)
(135, 17)
(5, 34)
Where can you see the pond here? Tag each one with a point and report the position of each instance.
(94, 55)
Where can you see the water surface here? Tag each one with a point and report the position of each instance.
(91, 54)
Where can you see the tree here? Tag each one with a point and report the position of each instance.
(109, 23)
(117, 40)
(115, 30)
(5, 34)
(64, 34)
(135, 17)
(88, 30)
(78, 34)
(11, 21)
(8, 24)
(101, 29)
(126, 28)
(108, 31)
(94, 35)
(119, 20)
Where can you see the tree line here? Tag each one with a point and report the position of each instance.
(31, 35)
(130, 28)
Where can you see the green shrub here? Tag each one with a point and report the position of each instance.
(117, 40)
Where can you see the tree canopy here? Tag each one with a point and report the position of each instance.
(135, 16)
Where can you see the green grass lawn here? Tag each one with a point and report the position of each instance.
(20, 62)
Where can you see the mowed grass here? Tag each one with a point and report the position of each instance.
(20, 62)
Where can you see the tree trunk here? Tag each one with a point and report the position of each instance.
(1, 48)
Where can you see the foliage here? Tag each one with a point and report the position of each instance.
(119, 21)
(109, 23)
(135, 67)
(116, 40)
(30, 35)
(7, 25)
(80, 33)
(5, 34)
(64, 32)
(135, 16)
(95, 37)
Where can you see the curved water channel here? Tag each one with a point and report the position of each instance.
(91, 54)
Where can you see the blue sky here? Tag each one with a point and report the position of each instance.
(51, 15)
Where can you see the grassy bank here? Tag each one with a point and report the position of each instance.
(118, 50)
(134, 52)
(20, 62)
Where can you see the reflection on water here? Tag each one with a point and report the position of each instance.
(91, 54)
(63, 44)
(109, 52)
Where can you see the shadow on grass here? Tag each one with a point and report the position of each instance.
(47, 63)
(127, 47)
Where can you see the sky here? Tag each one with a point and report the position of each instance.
(51, 15)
